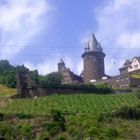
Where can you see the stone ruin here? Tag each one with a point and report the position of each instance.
(24, 83)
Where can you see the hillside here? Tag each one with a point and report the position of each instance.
(69, 117)
(79, 103)
(5, 91)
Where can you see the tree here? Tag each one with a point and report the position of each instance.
(52, 79)
(8, 73)
(21, 68)
(34, 76)
(5, 65)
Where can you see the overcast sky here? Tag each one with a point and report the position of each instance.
(38, 33)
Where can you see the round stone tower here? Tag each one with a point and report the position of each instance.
(93, 59)
(61, 66)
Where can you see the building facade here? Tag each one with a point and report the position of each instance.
(129, 75)
(130, 65)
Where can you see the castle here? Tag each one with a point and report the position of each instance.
(94, 73)
(94, 69)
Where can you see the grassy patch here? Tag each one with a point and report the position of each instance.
(5, 91)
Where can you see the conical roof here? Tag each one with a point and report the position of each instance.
(93, 44)
(61, 61)
(87, 48)
(100, 47)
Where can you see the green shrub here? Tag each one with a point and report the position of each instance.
(53, 128)
(25, 130)
(93, 131)
(52, 79)
(137, 92)
(6, 131)
(23, 116)
(57, 123)
(100, 117)
(43, 136)
(73, 130)
(104, 88)
(1, 116)
(59, 118)
(112, 133)
(125, 112)
(62, 137)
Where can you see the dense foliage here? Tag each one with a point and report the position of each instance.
(8, 73)
(52, 79)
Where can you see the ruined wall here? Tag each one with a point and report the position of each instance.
(22, 83)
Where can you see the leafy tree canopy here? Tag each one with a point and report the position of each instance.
(52, 79)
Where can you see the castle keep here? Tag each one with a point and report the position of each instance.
(93, 59)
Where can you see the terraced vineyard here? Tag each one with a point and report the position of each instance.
(94, 104)
(78, 117)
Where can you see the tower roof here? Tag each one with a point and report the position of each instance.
(93, 44)
(87, 48)
(61, 61)
(100, 47)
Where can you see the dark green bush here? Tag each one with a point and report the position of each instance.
(62, 137)
(8, 73)
(59, 118)
(137, 93)
(128, 112)
(73, 130)
(104, 88)
(93, 131)
(53, 128)
(23, 116)
(125, 112)
(1, 116)
(57, 124)
(112, 133)
(52, 79)
(84, 88)
(6, 131)
(43, 136)
(25, 130)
